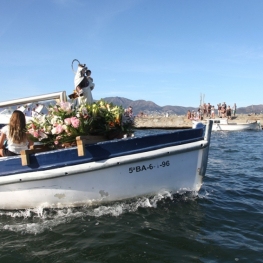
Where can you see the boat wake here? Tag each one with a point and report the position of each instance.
(37, 220)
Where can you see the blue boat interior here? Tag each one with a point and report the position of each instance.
(99, 151)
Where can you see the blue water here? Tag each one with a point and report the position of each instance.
(222, 223)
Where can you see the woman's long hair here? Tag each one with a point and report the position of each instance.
(17, 127)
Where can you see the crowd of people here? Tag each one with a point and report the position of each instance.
(210, 111)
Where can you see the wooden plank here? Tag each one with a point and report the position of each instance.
(80, 140)
(25, 157)
(25, 160)
(88, 139)
(81, 146)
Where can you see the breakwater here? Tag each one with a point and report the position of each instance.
(181, 122)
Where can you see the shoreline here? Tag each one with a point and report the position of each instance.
(181, 121)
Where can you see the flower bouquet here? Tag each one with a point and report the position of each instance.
(64, 122)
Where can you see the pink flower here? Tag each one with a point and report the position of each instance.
(66, 106)
(67, 121)
(35, 134)
(57, 129)
(56, 142)
(74, 122)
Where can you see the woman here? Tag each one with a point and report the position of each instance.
(15, 134)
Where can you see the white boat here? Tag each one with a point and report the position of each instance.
(5, 114)
(222, 124)
(105, 171)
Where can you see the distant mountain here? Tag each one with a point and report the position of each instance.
(252, 109)
(149, 107)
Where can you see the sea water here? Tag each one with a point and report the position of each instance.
(222, 223)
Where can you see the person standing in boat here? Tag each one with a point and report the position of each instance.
(15, 134)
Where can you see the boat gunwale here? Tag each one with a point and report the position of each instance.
(106, 148)
(102, 164)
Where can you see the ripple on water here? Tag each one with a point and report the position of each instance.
(223, 223)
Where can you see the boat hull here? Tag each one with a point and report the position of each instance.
(109, 171)
(236, 126)
(224, 125)
(92, 173)
(172, 169)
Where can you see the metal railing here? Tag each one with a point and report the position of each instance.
(61, 95)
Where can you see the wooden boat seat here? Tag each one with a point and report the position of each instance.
(80, 140)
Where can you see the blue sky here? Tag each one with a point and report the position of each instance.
(169, 52)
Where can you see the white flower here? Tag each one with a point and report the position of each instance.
(56, 120)
(42, 135)
(65, 127)
(47, 128)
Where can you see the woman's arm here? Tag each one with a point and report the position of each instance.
(30, 143)
(2, 140)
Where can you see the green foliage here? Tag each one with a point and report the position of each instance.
(64, 123)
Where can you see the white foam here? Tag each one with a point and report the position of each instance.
(38, 220)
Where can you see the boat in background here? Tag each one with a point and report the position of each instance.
(222, 124)
(5, 116)
(5, 113)
(97, 172)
